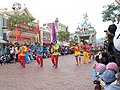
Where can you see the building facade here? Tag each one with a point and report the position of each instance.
(10, 35)
(85, 31)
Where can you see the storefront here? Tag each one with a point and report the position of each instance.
(29, 38)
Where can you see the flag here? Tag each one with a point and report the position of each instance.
(18, 36)
(38, 38)
(37, 30)
(21, 38)
(53, 33)
(17, 33)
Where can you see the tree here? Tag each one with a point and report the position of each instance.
(63, 36)
(72, 42)
(75, 39)
(20, 21)
(110, 12)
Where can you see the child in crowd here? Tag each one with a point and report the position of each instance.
(98, 69)
(102, 57)
(107, 78)
(112, 66)
(109, 75)
(2, 60)
(115, 86)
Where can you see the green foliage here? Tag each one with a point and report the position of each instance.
(110, 11)
(19, 20)
(63, 36)
(72, 42)
(75, 38)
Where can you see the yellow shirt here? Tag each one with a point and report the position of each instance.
(23, 51)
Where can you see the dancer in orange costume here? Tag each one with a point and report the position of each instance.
(85, 54)
(22, 53)
(77, 53)
(55, 54)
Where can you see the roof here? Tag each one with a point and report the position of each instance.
(25, 11)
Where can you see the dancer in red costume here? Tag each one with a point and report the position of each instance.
(85, 54)
(55, 54)
(22, 53)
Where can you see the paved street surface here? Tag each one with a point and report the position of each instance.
(67, 77)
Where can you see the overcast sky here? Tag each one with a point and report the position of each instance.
(69, 12)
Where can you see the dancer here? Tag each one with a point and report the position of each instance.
(85, 54)
(22, 54)
(55, 54)
(27, 55)
(77, 53)
(39, 55)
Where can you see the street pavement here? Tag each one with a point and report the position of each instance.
(68, 76)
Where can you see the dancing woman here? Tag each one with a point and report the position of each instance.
(39, 55)
(77, 53)
(55, 54)
(85, 54)
(22, 53)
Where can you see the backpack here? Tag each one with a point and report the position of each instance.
(116, 40)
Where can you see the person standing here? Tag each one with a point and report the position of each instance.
(91, 52)
(55, 54)
(77, 53)
(22, 54)
(39, 55)
(85, 54)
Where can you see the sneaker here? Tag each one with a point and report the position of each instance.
(53, 66)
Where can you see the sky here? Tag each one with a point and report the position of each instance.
(69, 12)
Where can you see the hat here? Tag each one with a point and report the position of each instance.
(112, 66)
(100, 67)
(108, 76)
(112, 28)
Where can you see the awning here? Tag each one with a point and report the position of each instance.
(2, 41)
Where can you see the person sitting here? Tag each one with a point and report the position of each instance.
(98, 69)
(115, 86)
(107, 78)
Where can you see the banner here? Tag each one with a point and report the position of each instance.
(53, 33)
(38, 32)
(20, 38)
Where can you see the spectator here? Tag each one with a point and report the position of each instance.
(115, 86)
(98, 69)
(107, 78)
